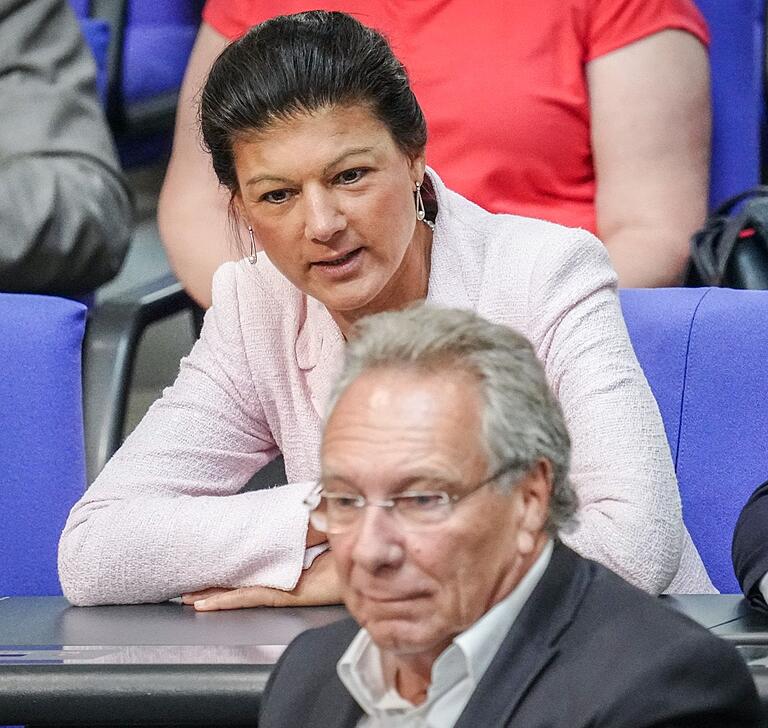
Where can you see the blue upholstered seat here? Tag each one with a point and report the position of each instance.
(96, 34)
(737, 57)
(157, 44)
(149, 45)
(42, 461)
(705, 353)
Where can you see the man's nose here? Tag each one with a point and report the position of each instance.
(323, 215)
(378, 541)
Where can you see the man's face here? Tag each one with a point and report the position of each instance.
(394, 431)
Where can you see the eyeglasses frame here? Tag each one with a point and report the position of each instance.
(390, 503)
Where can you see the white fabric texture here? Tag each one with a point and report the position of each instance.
(165, 516)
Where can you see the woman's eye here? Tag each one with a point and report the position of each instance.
(276, 197)
(350, 176)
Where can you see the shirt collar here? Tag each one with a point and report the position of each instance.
(470, 654)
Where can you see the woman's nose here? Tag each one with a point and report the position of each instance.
(324, 218)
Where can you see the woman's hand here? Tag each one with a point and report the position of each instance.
(318, 585)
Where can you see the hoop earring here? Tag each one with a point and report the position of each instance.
(421, 212)
(252, 257)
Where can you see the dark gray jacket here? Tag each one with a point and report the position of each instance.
(587, 651)
(65, 210)
(750, 547)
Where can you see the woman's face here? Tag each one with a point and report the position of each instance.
(330, 198)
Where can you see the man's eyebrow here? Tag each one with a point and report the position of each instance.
(330, 475)
(442, 480)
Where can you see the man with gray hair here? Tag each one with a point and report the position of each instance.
(444, 483)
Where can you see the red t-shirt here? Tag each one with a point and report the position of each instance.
(502, 85)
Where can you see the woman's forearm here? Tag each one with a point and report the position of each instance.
(647, 257)
(149, 548)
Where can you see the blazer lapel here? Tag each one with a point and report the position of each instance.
(335, 708)
(531, 643)
(319, 353)
(454, 264)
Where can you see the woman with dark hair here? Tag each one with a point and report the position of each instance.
(588, 113)
(314, 130)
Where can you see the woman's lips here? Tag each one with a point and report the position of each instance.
(341, 267)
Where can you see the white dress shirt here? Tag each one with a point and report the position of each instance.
(455, 674)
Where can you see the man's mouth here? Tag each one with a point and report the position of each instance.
(392, 598)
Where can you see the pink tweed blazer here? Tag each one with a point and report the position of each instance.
(165, 516)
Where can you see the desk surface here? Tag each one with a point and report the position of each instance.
(41, 622)
(129, 665)
(166, 663)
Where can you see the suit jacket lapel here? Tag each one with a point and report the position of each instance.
(335, 708)
(531, 643)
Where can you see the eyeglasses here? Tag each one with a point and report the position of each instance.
(414, 510)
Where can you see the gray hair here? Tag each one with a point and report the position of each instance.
(522, 420)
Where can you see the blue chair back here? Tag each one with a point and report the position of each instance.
(96, 35)
(158, 40)
(148, 46)
(737, 57)
(704, 352)
(80, 7)
(42, 460)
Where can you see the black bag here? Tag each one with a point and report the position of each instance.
(731, 250)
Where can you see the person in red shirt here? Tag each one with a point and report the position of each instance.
(590, 113)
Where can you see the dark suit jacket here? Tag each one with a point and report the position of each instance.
(750, 545)
(588, 650)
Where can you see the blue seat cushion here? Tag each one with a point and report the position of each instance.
(663, 349)
(96, 34)
(723, 451)
(154, 59)
(737, 57)
(41, 436)
(158, 40)
(704, 352)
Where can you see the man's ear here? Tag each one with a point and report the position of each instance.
(534, 492)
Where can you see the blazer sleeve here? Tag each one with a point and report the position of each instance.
(629, 515)
(750, 546)
(154, 524)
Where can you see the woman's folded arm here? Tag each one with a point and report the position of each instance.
(166, 515)
(630, 514)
